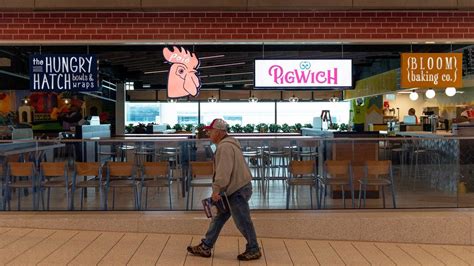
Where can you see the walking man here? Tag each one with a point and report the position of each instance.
(232, 176)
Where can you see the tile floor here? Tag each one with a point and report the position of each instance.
(23, 246)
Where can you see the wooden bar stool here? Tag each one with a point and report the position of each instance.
(373, 170)
(54, 175)
(121, 175)
(302, 173)
(87, 169)
(155, 174)
(16, 171)
(201, 176)
(337, 173)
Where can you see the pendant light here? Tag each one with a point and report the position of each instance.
(430, 94)
(450, 91)
(413, 95)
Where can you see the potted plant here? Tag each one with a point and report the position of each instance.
(129, 128)
(188, 127)
(262, 128)
(201, 134)
(334, 126)
(249, 128)
(343, 127)
(274, 128)
(178, 127)
(139, 129)
(308, 125)
(285, 128)
(237, 128)
(298, 127)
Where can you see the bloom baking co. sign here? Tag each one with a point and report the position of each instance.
(431, 70)
(303, 73)
(63, 72)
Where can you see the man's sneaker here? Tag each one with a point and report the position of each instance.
(200, 250)
(250, 255)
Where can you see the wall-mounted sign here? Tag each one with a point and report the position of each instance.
(303, 73)
(63, 72)
(431, 70)
(183, 79)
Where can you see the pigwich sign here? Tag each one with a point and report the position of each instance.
(303, 73)
(63, 72)
(431, 70)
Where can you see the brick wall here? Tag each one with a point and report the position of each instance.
(205, 26)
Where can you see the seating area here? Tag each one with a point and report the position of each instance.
(178, 175)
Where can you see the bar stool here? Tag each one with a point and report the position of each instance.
(157, 175)
(253, 156)
(15, 172)
(278, 155)
(87, 169)
(302, 173)
(372, 172)
(201, 176)
(121, 175)
(337, 173)
(54, 175)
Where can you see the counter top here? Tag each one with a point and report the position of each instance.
(426, 134)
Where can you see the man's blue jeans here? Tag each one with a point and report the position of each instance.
(239, 207)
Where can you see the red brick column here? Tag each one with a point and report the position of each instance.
(236, 26)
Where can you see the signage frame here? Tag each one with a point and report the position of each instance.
(311, 88)
(405, 83)
(94, 72)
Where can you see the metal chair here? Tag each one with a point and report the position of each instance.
(15, 172)
(54, 175)
(155, 174)
(372, 172)
(201, 176)
(121, 175)
(302, 173)
(87, 169)
(337, 173)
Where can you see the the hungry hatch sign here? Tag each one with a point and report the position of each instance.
(303, 73)
(63, 72)
(431, 70)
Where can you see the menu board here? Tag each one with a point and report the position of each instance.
(431, 70)
(63, 72)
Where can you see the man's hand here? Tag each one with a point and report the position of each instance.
(215, 196)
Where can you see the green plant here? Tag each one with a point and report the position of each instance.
(168, 126)
(129, 128)
(200, 131)
(298, 126)
(178, 127)
(285, 128)
(334, 126)
(188, 127)
(308, 125)
(249, 128)
(237, 128)
(292, 129)
(343, 127)
(262, 128)
(274, 128)
(139, 129)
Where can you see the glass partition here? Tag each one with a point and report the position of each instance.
(238, 112)
(288, 173)
(304, 112)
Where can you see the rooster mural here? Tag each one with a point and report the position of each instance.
(183, 77)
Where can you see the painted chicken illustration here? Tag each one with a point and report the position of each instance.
(183, 78)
